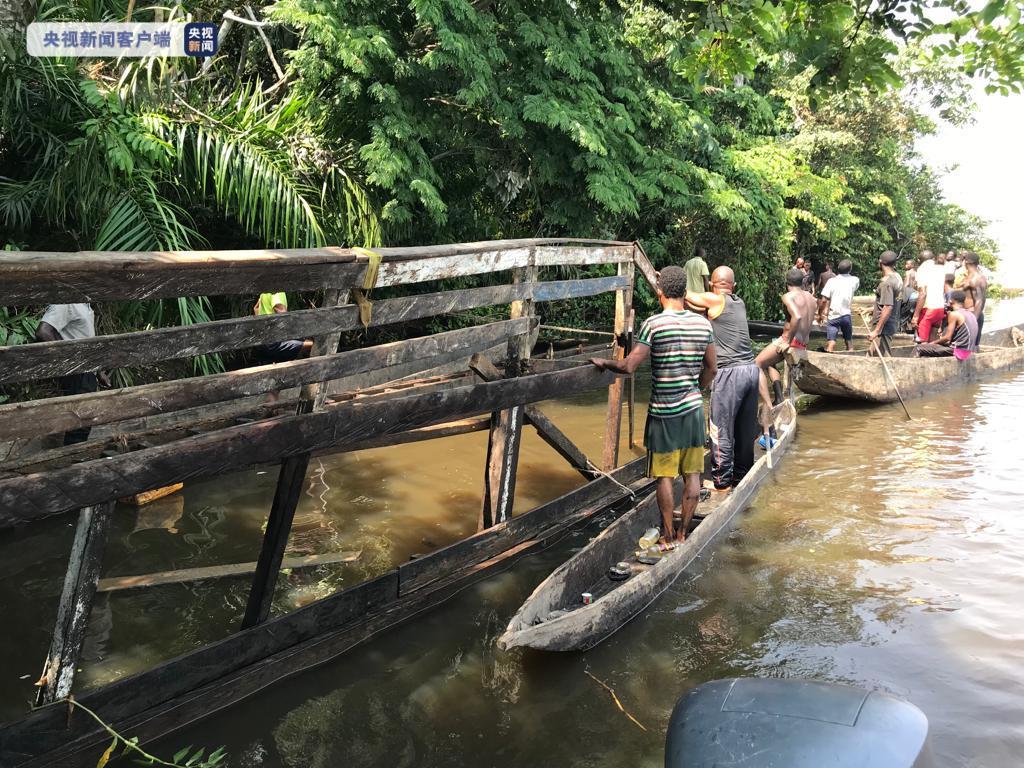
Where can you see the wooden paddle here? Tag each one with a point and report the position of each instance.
(885, 366)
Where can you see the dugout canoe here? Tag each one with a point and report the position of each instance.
(554, 618)
(854, 376)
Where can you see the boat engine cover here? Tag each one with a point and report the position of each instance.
(757, 723)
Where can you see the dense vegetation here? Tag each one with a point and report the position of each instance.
(764, 130)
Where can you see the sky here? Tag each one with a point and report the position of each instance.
(986, 171)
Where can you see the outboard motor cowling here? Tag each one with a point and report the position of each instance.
(759, 723)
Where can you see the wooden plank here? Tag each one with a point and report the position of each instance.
(153, 703)
(460, 427)
(556, 290)
(546, 429)
(205, 573)
(75, 606)
(613, 421)
(549, 256)
(31, 278)
(59, 414)
(246, 445)
(418, 573)
(647, 270)
(59, 358)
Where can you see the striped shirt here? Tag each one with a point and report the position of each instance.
(677, 340)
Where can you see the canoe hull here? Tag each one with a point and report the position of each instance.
(586, 626)
(863, 378)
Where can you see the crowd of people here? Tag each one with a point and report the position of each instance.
(701, 339)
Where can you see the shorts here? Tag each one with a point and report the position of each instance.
(837, 325)
(684, 461)
(279, 351)
(782, 346)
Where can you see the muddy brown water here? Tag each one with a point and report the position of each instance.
(885, 554)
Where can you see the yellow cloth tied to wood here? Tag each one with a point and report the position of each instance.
(369, 281)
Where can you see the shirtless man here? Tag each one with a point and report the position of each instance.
(801, 307)
(976, 290)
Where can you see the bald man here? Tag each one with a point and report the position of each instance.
(734, 391)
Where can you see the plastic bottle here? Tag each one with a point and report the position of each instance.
(650, 538)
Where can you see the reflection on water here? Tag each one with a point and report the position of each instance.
(885, 553)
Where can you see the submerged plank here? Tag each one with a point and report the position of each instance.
(204, 573)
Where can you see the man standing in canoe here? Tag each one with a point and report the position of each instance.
(683, 361)
(835, 302)
(931, 296)
(734, 392)
(976, 290)
(958, 338)
(800, 308)
(887, 303)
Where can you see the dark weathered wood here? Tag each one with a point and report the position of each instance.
(155, 702)
(75, 606)
(557, 290)
(205, 573)
(460, 427)
(275, 539)
(30, 278)
(546, 429)
(252, 659)
(423, 571)
(247, 445)
(59, 414)
(613, 421)
(58, 358)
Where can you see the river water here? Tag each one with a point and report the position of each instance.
(884, 553)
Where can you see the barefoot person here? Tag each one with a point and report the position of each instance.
(958, 338)
(976, 290)
(734, 392)
(800, 308)
(679, 345)
(884, 319)
(836, 299)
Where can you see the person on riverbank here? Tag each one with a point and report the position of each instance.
(65, 322)
(734, 392)
(885, 318)
(680, 346)
(958, 338)
(278, 351)
(800, 309)
(835, 302)
(976, 291)
(910, 276)
(823, 278)
(930, 309)
(697, 274)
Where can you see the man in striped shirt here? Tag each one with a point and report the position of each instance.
(679, 345)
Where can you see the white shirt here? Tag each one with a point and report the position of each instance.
(839, 292)
(931, 278)
(71, 321)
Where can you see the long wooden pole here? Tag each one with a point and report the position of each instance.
(888, 373)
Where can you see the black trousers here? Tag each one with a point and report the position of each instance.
(932, 350)
(734, 426)
(77, 384)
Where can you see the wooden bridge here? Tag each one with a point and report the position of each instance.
(169, 432)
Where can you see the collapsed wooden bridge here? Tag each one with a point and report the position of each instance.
(169, 432)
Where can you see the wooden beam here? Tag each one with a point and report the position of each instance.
(155, 702)
(205, 573)
(59, 414)
(59, 358)
(647, 270)
(613, 421)
(547, 431)
(31, 278)
(75, 606)
(557, 290)
(246, 445)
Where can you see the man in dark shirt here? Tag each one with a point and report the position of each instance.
(734, 391)
(826, 275)
(887, 304)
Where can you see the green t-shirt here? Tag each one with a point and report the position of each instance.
(270, 300)
(696, 269)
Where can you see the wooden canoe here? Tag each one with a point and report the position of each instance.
(857, 377)
(554, 618)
